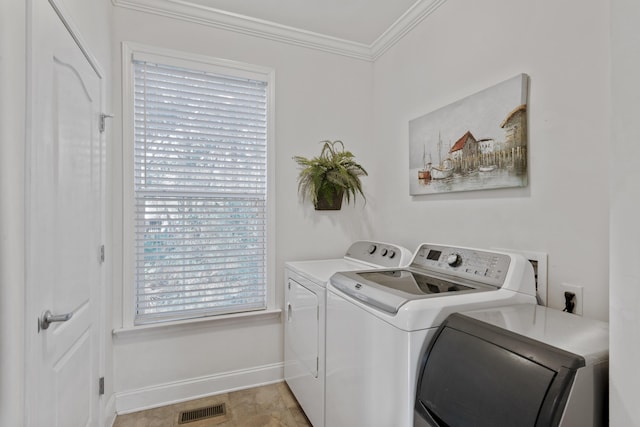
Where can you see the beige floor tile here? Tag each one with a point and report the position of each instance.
(286, 395)
(268, 398)
(160, 417)
(299, 418)
(242, 404)
(266, 406)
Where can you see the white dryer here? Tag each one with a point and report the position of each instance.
(379, 322)
(304, 325)
(517, 365)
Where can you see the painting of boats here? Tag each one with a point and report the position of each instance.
(486, 168)
(444, 169)
(425, 172)
(480, 142)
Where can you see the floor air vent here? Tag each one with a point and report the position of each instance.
(202, 413)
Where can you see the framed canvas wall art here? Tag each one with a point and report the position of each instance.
(476, 143)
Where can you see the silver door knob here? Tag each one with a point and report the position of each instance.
(47, 318)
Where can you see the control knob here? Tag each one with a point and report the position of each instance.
(384, 252)
(392, 253)
(454, 260)
(372, 249)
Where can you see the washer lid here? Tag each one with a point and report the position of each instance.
(388, 290)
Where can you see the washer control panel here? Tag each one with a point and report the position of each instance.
(480, 266)
(379, 253)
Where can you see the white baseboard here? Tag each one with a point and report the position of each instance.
(194, 388)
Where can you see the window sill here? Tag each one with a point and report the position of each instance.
(191, 323)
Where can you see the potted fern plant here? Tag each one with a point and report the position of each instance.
(330, 177)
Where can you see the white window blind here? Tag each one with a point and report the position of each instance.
(200, 193)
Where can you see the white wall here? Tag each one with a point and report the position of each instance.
(12, 137)
(318, 96)
(624, 212)
(464, 47)
(94, 25)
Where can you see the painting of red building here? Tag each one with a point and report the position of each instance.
(476, 143)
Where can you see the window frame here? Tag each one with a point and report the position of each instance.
(202, 63)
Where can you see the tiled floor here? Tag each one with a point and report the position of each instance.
(271, 405)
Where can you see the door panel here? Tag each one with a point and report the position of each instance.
(64, 227)
(303, 326)
(72, 378)
(72, 156)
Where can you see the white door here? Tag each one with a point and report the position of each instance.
(65, 155)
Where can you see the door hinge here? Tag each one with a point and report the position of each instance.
(102, 253)
(103, 117)
(101, 386)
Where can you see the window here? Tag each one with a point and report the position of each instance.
(199, 188)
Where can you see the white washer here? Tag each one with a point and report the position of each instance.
(304, 326)
(379, 322)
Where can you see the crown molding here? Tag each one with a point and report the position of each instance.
(183, 10)
(403, 25)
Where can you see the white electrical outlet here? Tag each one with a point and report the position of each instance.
(577, 290)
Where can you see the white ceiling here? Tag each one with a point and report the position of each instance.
(360, 21)
(362, 29)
